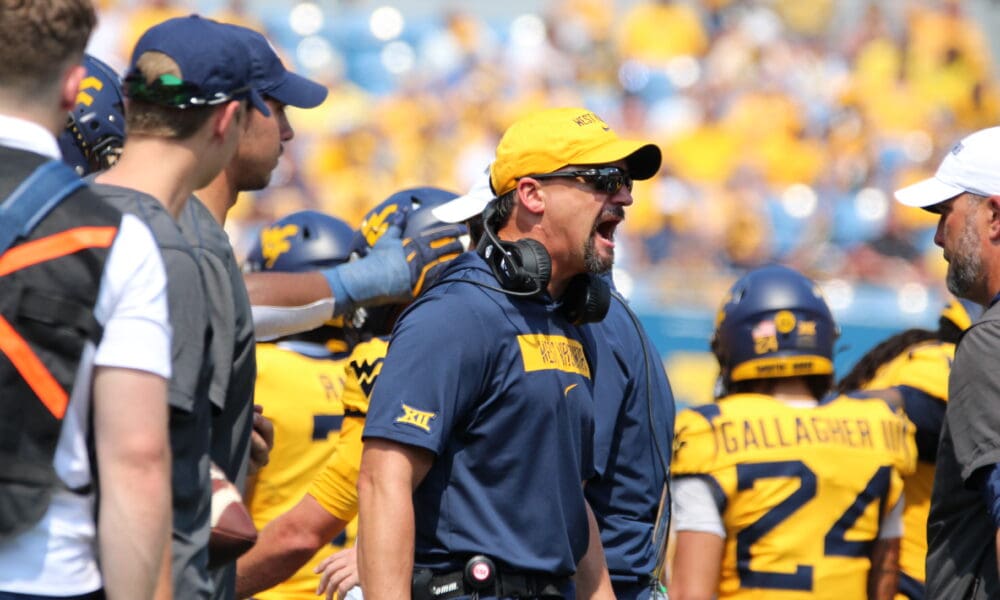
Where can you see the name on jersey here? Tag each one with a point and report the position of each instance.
(553, 352)
(764, 432)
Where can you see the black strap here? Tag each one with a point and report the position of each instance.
(35, 198)
(445, 586)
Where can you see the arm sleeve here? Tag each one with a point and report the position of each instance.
(892, 522)
(695, 508)
(136, 329)
(335, 488)
(271, 322)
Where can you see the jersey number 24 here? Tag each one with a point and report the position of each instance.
(835, 542)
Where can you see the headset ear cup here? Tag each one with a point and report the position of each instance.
(587, 299)
(536, 265)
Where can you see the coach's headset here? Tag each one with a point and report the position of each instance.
(524, 268)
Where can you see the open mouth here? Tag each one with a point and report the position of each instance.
(606, 226)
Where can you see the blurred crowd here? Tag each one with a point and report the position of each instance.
(785, 124)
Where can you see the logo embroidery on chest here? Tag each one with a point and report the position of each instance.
(542, 352)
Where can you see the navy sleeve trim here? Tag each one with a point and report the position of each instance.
(927, 413)
(708, 411)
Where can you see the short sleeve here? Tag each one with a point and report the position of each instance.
(132, 304)
(219, 295)
(434, 372)
(694, 441)
(972, 415)
(189, 320)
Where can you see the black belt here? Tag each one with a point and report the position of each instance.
(428, 585)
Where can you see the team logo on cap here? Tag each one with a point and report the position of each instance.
(957, 148)
(590, 118)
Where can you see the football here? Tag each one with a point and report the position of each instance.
(233, 531)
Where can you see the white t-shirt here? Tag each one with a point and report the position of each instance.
(58, 556)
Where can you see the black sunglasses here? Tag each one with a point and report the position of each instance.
(169, 90)
(607, 180)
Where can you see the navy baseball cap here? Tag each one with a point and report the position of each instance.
(214, 65)
(271, 78)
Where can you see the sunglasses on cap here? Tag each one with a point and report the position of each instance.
(170, 90)
(607, 180)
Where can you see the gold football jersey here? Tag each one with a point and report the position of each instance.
(302, 398)
(802, 491)
(336, 486)
(924, 367)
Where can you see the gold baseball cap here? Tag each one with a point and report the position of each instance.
(545, 141)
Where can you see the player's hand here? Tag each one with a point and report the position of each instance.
(429, 253)
(339, 573)
(395, 270)
(261, 440)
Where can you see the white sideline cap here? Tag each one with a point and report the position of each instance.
(465, 207)
(972, 165)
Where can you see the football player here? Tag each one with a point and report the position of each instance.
(911, 370)
(777, 493)
(299, 383)
(330, 503)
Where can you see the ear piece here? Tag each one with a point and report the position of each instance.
(587, 299)
(524, 268)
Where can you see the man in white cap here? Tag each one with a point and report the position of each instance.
(963, 529)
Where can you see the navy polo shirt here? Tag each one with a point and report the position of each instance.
(499, 389)
(634, 415)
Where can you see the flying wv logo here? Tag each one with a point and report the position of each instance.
(88, 83)
(367, 373)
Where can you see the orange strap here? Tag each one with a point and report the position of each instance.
(27, 363)
(32, 370)
(55, 246)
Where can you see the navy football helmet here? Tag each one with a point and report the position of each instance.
(415, 204)
(774, 322)
(95, 129)
(303, 241)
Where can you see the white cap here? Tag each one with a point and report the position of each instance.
(972, 165)
(465, 207)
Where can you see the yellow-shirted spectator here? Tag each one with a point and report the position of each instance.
(658, 30)
(710, 153)
(785, 159)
